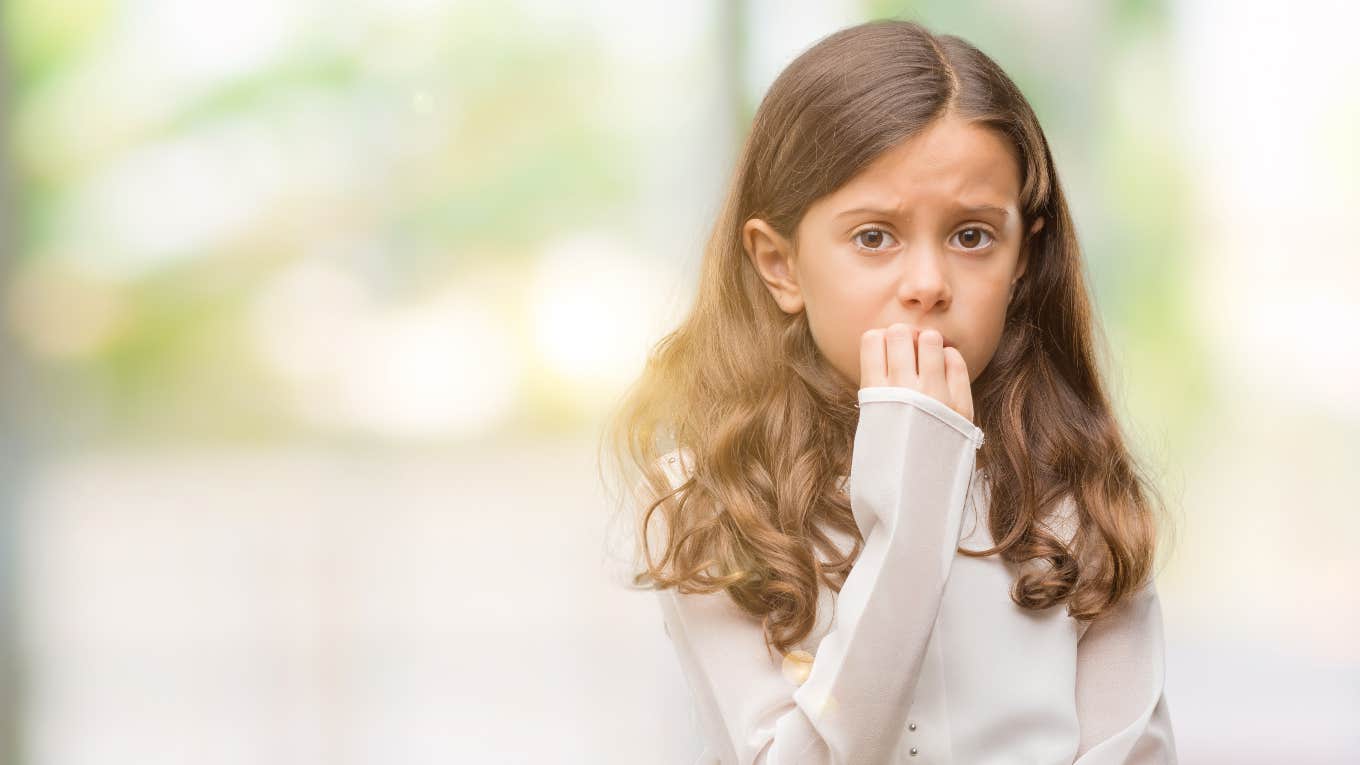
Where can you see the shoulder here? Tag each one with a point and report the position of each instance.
(1063, 519)
(677, 464)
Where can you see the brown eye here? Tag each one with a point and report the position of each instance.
(971, 238)
(873, 238)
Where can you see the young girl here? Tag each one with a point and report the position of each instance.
(849, 571)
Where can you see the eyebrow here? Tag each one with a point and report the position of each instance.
(888, 211)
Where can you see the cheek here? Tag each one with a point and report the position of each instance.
(839, 311)
(983, 291)
(991, 304)
(987, 319)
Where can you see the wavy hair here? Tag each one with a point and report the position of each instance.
(766, 426)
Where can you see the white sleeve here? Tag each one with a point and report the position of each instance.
(911, 468)
(1121, 701)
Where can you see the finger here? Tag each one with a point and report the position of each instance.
(901, 357)
(930, 364)
(873, 365)
(960, 389)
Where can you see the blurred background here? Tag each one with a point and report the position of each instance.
(312, 312)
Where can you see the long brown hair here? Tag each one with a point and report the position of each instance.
(765, 426)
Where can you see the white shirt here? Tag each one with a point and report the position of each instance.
(926, 658)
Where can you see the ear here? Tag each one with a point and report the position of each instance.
(1024, 248)
(772, 256)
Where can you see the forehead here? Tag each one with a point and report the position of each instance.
(950, 161)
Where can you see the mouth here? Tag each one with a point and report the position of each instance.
(948, 343)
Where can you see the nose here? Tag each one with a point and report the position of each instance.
(923, 282)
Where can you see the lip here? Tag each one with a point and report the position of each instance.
(948, 343)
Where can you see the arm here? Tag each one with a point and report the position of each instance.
(911, 469)
(1121, 703)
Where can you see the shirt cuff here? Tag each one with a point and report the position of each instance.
(931, 405)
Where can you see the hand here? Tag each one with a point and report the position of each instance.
(917, 359)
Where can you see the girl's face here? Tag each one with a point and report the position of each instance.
(929, 235)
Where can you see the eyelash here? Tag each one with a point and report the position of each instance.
(991, 241)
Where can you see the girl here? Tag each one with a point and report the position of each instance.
(884, 502)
